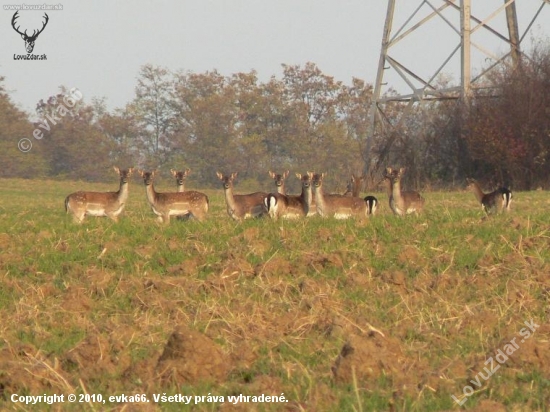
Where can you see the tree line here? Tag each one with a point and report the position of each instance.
(305, 120)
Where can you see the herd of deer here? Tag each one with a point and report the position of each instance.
(311, 200)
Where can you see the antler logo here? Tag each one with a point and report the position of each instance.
(29, 40)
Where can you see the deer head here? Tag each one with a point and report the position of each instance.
(180, 176)
(147, 176)
(124, 174)
(279, 177)
(29, 40)
(227, 180)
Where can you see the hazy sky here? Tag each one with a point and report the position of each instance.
(99, 46)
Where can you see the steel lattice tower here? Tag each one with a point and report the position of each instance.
(456, 15)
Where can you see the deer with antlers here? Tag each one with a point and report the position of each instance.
(29, 40)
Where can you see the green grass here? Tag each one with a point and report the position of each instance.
(90, 307)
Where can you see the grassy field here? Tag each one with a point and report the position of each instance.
(386, 314)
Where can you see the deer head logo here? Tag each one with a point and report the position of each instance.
(29, 40)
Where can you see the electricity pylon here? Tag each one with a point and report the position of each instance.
(456, 15)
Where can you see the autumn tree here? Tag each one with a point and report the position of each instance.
(205, 137)
(74, 146)
(509, 134)
(16, 136)
(318, 134)
(356, 101)
(153, 111)
(120, 128)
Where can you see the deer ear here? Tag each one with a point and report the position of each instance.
(299, 176)
(173, 172)
(187, 171)
(234, 175)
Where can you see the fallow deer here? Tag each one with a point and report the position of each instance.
(402, 202)
(279, 181)
(288, 206)
(372, 204)
(165, 205)
(386, 179)
(180, 178)
(354, 189)
(109, 204)
(354, 186)
(180, 184)
(241, 206)
(495, 201)
(334, 205)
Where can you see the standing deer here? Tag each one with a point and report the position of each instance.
(386, 179)
(288, 206)
(402, 202)
(180, 184)
(180, 178)
(496, 201)
(241, 206)
(279, 181)
(109, 204)
(335, 205)
(165, 205)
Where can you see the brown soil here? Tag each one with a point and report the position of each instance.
(191, 357)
